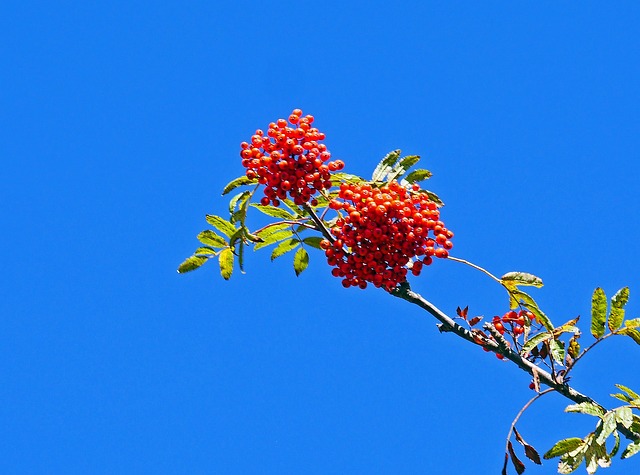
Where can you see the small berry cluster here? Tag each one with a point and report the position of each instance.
(383, 230)
(289, 160)
(514, 320)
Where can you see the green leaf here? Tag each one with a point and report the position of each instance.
(273, 238)
(418, 175)
(632, 449)
(300, 260)
(557, 350)
(240, 181)
(596, 455)
(226, 259)
(605, 427)
(241, 256)
(616, 315)
(207, 251)
(632, 323)
(191, 263)
(621, 397)
(624, 416)
(511, 279)
(534, 341)
(272, 229)
(632, 394)
(384, 167)
(313, 241)
(563, 447)
(598, 312)
(433, 197)
(239, 198)
(519, 295)
(404, 165)
(586, 408)
(273, 211)
(284, 247)
(210, 238)
(338, 178)
(632, 333)
(292, 206)
(616, 446)
(221, 224)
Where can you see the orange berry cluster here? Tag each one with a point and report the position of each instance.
(385, 232)
(515, 322)
(289, 160)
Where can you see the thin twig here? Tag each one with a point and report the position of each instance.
(524, 408)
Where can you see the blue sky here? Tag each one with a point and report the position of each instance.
(121, 123)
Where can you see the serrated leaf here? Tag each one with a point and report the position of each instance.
(563, 446)
(273, 238)
(292, 206)
(338, 178)
(300, 260)
(191, 263)
(402, 166)
(616, 445)
(632, 394)
(518, 295)
(418, 175)
(535, 340)
(273, 211)
(241, 199)
(221, 224)
(517, 463)
(586, 408)
(605, 428)
(621, 397)
(596, 455)
(632, 449)
(240, 181)
(210, 238)
(568, 327)
(616, 314)
(632, 323)
(521, 278)
(624, 416)
(284, 247)
(433, 197)
(272, 229)
(557, 350)
(598, 312)
(226, 259)
(385, 165)
(632, 333)
(204, 250)
(313, 241)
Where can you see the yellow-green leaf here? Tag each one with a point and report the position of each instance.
(226, 259)
(284, 247)
(313, 241)
(598, 312)
(273, 211)
(300, 260)
(240, 181)
(418, 175)
(210, 238)
(273, 238)
(563, 447)
(535, 340)
(221, 224)
(632, 449)
(511, 279)
(191, 263)
(586, 408)
(385, 165)
(616, 315)
(632, 333)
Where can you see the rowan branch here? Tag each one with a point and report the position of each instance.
(447, 324)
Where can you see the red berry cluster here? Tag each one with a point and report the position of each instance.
(289, 160)
(514, 322)
(383, 230)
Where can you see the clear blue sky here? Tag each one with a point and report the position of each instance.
(120, 124)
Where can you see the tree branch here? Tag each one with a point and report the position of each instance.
(447, 324)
